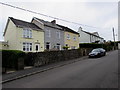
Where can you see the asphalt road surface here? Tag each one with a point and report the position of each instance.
(90, 73)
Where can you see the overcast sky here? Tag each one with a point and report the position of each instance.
(95, 13)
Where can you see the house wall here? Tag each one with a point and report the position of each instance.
(3, 46)
(37, 37)
(0, 45)
(53, 40)
(94, 38)
(38, 23)
(14, 36)
(88, 38)
(11, 36)
(53, 37)
(71, 42)
(84, 37)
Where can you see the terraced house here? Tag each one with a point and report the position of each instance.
(57, 36)
(54, 35)
(38, 35)
(71, 38)
(24, 36)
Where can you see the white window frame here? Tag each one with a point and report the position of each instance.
(27, 33)
(27, 46)
(48, 33)
(58, 34)
(58, 45)
(68, 36)
(74, 38)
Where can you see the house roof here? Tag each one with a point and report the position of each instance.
(47, 23)
(95, 33)
(24, 24)
(92, 34)
(67, 29)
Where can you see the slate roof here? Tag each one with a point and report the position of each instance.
(24, 24)
(49, 24)
(68, 29)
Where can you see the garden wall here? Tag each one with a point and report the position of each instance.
(14, 59)
(42, 58)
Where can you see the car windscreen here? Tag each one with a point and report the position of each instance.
(95, 50)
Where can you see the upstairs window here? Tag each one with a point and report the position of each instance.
(48, 34)
(68, 36)
(27, 33)
(74, 38)
(58, 34)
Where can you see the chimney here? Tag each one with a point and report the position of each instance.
(80, 28)
(53, 22)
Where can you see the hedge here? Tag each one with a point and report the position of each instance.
(10, 58)
(107, 47)
(90, 45)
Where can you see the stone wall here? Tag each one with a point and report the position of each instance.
(42, 58)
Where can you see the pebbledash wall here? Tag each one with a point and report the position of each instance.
(42, 58)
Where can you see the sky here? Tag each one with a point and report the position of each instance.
(99, 15)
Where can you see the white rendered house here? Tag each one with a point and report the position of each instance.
(87, 37)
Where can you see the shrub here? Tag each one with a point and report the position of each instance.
(90, 45)
(65, 47)
(106, 46)
(10, 57)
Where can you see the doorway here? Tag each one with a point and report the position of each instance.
(37, 47)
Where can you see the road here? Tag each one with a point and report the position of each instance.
(90, 73)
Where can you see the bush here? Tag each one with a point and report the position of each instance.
(90, 45)
(106, 46)
(65, 47)
(10, 58)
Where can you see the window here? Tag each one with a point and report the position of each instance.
(47, 45)
(58, 34)
(27, 46)
(68, 36)
(74, 38)
(27, 33)
(58, 46)
(48, 34)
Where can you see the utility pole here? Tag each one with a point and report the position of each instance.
(114, 37)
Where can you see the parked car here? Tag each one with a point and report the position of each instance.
(98, 52)
(103, 51)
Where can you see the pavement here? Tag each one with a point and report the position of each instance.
(31, 71)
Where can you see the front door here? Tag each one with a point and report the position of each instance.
(37, 47)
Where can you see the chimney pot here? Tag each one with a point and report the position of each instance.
(54, 21)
